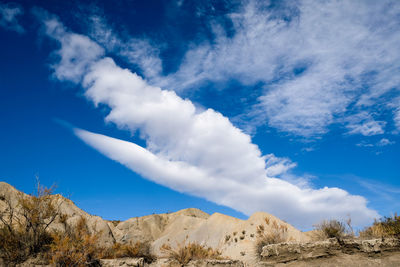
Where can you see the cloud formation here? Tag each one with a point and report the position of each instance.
(195, 151)
(8, 17)
(321, 63)
(381, 143)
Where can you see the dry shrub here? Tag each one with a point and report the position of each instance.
(276, 234)
(137, 250)
(24, 223)
(184, 253)
(386, 227)
(76, 247)
(115, 222)
(334, 229)
(24, 233)
(12, 247)
(79, 247)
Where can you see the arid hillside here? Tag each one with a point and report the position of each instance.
(188, 237)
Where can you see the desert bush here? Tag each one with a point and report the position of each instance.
(75, 247)
(334, 229)
(276, 234)
(386, 227)
(115, 222)
(24, 223)
(12, 247)
(136, 250)
(184, 253)
(24, 232)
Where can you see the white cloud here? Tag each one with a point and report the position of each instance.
(382, 142)
(395, 105)
(299, 206)
(397, 119)
(194, 151)
(368, 128)
(77, 52)
(385, 142)
(8, 17)
(364, 144)
(134, 50)
(276, 166)
(321, 62)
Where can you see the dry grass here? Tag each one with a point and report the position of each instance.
(277, 233)
(184, 253)
(331, 228)
(386, 227)
(24, 233)
(79, 247)
(136, 250)
(115, 222)
(76, 247)
(24, 223)
(334, 229)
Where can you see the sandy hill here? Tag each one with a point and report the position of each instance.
(233, 237)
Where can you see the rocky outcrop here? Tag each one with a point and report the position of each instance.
(123, 262)
(294, 251)
(139, 262)
(130, 262)
(215, 263)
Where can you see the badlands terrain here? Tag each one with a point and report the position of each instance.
(235, 239)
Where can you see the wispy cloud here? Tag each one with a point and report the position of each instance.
(364, 124)
(385, 142)
(188, 149)
(384, 191)
(395, 105)
(137, 51)
(381, 143)
(321, 63)
(8, 17)
(277, 166)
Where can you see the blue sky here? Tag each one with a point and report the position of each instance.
(140, 107)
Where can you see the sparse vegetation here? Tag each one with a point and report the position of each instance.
(24, 223)
(136, 250)
(334, 229)
(275, 234)
(79, 247)
(115, 222)
(184, 253)
(76, 247)
(386, 227)
(331, 228)
(227, 238)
